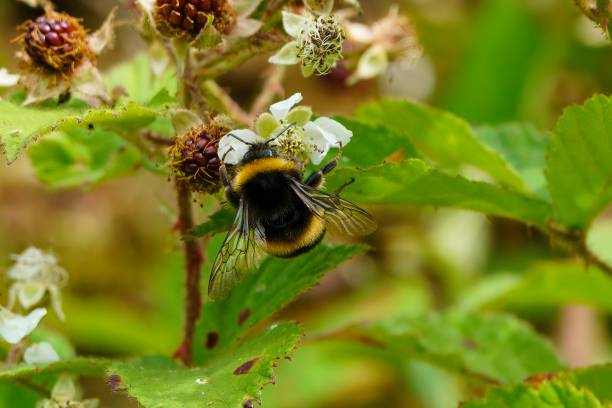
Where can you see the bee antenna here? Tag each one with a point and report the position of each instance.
(239, 139)
(289, 126)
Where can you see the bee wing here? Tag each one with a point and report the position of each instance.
(239, 254)
(340, 213)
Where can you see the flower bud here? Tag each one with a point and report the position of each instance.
(55, 42)
(319, 45)
(187, 18)
(194, 157)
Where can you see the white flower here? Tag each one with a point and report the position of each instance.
(64, 394)
(14, 327)
(35, 273)
(40, 353)
(312, 139)
(317, 45)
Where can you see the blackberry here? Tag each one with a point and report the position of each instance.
(194, 157)
(55, 42)
(179, 18)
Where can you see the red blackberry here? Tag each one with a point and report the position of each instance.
(194, 157)
(188, 17)
(55, 42)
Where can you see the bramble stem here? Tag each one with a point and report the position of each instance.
(272, 87)
(193, 265)
(221, 101)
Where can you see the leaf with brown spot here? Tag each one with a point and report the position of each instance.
(246, 367)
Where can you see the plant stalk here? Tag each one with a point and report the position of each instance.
(193, 265)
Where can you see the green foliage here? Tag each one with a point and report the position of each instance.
(543, 285)
(491, 347)
(217, 222)
(80, 157)
(262, 294)
(76, 365)
(229, 380)
(524, 148)
(578, 171)
(550, 394)
(415, 182)
(440, 136)
(20, 126)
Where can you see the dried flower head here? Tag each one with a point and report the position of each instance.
(194, 156)
(35, 273)
(187, 18)
(55, 42)
(391, 38)
(317, 46)
(57, 56)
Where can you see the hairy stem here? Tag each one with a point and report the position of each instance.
(272, 87)
(221, 101)
(193, 265)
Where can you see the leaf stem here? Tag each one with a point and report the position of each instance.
(218, 99)
(193, 265)
(272, 87)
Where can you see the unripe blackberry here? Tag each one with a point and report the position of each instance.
(55, 42)
(194, 157)
(186, 18)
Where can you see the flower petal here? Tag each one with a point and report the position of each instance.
(293, 23)
(145, 5)
(40, 353)
(334, 129)
(7, 79)
(372, 63)
(280, 109)
(244, 27)
(64, 389)
(319, 7)
(233, 146)
(14, 327)
(30, 293)
(245, 8)
(318, 144)
(105, 35)
(56, 302)
(287, 55)
(359, 33)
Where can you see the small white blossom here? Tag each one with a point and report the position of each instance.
(317, 46)
(390, 38)
(7, 79)
(40, 353)
(65, 394)
(35, 273)
(311, 139)
(14, 327)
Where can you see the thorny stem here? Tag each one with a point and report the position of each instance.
(193, 265)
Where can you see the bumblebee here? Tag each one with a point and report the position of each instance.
(278, 212)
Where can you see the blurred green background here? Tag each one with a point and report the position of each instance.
(489, 61)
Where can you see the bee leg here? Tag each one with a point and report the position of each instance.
(316, 178)
(232, 196)
(345, 185)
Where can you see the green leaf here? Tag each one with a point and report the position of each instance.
(524, 148)
(262, 294)
(230, 380)
(579, 170)
(138, 80)
(598, 379)
(440, 136)
(414, 182)
(17, 395)
(371, 144)
(492, 347)
(77, 365)
(218, 222)
(549, 394)
(19, 125)
(80, 157)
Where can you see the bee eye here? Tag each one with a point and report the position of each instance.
(268, 153)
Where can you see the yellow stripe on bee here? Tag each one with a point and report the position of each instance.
(309, 236)
(268, 164)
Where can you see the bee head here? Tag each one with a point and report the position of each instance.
(259, 151)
